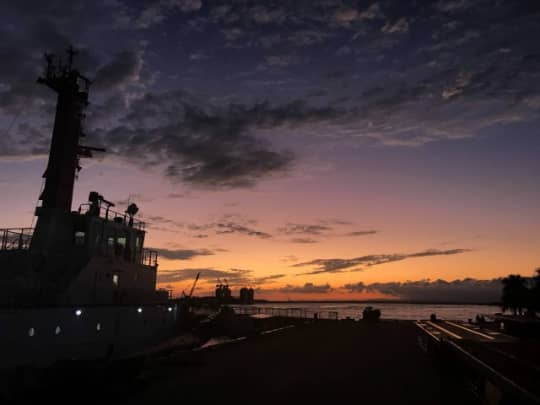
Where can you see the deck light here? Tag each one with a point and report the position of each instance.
(139, 310)
(78, 312)
(169, 309)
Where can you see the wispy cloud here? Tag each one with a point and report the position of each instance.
(231, 227)
(304, 229)
(182, 254)
(336, 265)
(235, 277)
(307, 288)
(303, 240)
(362, 233)
(208, 274)
(228, 224)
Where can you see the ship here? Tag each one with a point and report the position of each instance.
(80, 284)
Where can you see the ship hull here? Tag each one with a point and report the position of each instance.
(44, 336)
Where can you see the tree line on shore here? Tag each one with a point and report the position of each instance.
(521, 294)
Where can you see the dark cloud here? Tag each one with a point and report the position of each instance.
(125, 68)
(177, 195)
(267, 279)
(182, 254)
(326, 228)
(157, 222)
(304, 229)
(340, 265)
(151, 14)
(231, 227)
(468, 74)
(307, 288)
(134, 198)
(234, 277)
(361, 233)
(303, 240)
(208, 274)
(205, 146)
(229, 224)
(396, 27)
(466, 290)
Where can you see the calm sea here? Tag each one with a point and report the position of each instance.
(394, 310)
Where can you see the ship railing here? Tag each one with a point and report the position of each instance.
(15, 238)
(109, 215)
(149, 257)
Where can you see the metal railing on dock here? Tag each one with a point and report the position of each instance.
(303, 313)
(15, 238)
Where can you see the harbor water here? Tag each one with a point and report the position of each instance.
(404, 311)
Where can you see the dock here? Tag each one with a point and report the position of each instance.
(323, 361)
(504, 368)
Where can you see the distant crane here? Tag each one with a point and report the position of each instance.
(194, 284)
(192, 287)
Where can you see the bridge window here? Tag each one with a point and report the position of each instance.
(120, 245)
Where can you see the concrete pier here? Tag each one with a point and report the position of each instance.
(320, 362)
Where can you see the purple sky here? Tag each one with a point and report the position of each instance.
(270, 137)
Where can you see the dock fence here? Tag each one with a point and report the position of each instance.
(304, 313)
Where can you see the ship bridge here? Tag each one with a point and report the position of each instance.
(92, 255)
(112, 234)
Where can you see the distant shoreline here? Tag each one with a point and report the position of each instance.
(375, 302)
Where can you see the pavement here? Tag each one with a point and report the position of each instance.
(330, 362)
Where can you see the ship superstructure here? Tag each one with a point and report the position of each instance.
(88, 260)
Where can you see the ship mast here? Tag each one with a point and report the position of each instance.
(56, 199)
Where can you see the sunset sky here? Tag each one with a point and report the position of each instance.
(321, 149)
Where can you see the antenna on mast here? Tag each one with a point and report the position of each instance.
(71, 53)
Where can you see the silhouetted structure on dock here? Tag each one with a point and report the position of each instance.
(247, 295)
(223, 292)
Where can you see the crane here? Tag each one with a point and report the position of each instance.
(194, 284)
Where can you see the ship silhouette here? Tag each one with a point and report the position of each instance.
(80, 285)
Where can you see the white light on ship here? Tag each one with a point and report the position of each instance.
(169, 309)
(78, 312)
(139, 310)
(98, 327)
